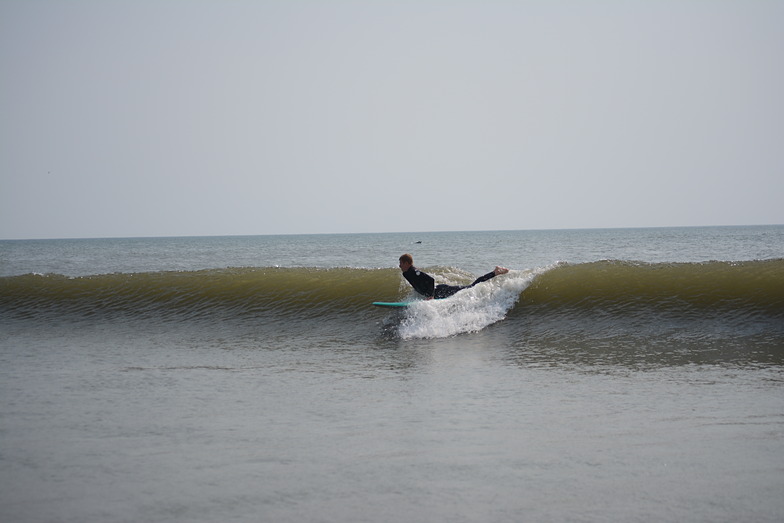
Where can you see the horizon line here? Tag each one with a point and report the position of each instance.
(165, 236)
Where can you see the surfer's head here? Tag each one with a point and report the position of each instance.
(406, 261)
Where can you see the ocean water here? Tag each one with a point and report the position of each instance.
(612, 375)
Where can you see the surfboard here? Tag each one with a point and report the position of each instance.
(392, 304)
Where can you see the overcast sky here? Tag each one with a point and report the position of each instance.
(187, 117)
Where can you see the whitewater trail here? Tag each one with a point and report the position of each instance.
(470, 310)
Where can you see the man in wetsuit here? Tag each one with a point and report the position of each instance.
(425, 284)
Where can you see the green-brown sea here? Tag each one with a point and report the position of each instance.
(612, 375)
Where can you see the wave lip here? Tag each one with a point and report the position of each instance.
(576, 298)
(193, 293)
(749, 285)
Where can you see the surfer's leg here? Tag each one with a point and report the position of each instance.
(490, 275)
(445, 291)
(486, 277)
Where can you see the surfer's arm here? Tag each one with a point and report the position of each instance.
(430, 287)
(427, 285)
(422, 282)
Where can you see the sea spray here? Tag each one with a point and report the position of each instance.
(470, 310)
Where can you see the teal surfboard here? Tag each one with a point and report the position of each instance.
(392, 303)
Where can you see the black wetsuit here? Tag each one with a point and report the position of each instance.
(424, 284)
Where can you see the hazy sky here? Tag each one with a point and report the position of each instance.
(187, 117)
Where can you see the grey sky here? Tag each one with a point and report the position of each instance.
(137, 118)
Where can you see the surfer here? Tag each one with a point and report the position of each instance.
(424, 284)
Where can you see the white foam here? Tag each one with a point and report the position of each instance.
(470, 310)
